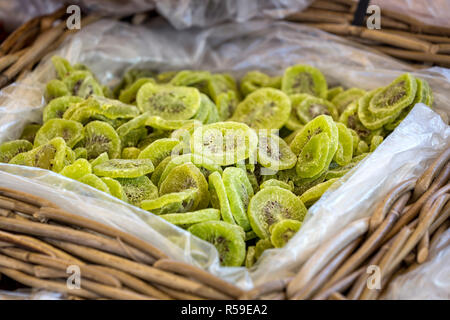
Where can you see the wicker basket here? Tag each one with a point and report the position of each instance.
(39, 241)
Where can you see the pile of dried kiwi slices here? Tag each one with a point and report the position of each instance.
(236, 165)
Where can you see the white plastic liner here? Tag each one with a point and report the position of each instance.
(110, 47)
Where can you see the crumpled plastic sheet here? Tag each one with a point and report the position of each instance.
(418, 284)
(109, 48)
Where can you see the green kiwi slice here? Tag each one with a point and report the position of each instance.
(138, 189)
(99, 160)
(250, 257)
(55, 88)
(50, 156)
(115, 188)
(375, 142)
(122, 168)
(266, 108)
(274, 152)
(313, 107)
(29, 132)
(187, 176)
(343, 99)
(363, 147)
(271, 205)
(171, 203)
(95, 182)
(283, 231)
(312, 195)
(166, 76)
(304, 79)
(315, 155)
(10, 149)
(205, 165)
(370, 120)
(219, 197)
(239, 191)
(77, 170)
(294, 123)
(168, 102)
(190, 218)
(395, 97)
(261, 246)
(344, 152)
(221, 83)
(225, 143)
(56, 108)
(350, 118)
(226, 103)
(101, 137)
(333, 92)
(131, 153)
(227, 239)
(128, 95)
(62, 66)
(82, 84)
(70, 131)
(191, 78)
(276, 183)
(158, 150)
(255, 80)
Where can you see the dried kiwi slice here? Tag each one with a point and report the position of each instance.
(375, 142)
(100, 159)
(239, 191)
(226, 103)
(265, 108)
(138, 189)
(294, 123)
(55, 88)
(261, 246)
(159, 169)
(62, 66)
(160, 149)
(274, 152)
(250, 257)
(122, 168)
(283, 231)
(205, 165)
(395, 97)
(101, 137)
(57, 107)
(333, 92)
(94, 181)
(271, 205)
(171, 203)
(221, 83)
(351, 119)
(190, 218)
(70, 131)
(255, 80)
(115, 188)
(312, 195)
(82, 84)
(304, 79)
(344, 152)
(131, 153)
(343, 99)
(29, 132)
(219, 197)
(276, 183)
(168, 102)
(363, 147)
(224, 142)
(191, 78)
(227, 239)
(77, 170)
(313, 107)
(50, 156)
(9, 150)
(313, 160)
(187, 176)
(128, 95)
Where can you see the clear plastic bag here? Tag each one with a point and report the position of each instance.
(109, 48)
